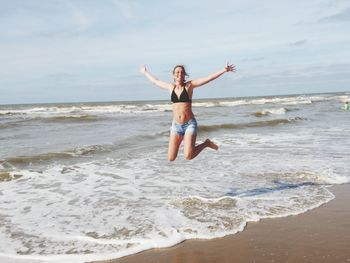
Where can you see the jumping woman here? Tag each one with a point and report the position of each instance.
(184, 125)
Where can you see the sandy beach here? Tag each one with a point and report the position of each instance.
(320, 235)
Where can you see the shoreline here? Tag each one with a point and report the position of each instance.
(344, 92)
(319, 235)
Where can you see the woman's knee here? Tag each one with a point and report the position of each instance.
(172, 157)
(189, 155)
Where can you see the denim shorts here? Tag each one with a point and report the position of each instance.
(181, 129)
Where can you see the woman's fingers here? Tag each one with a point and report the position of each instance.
(229, 67)
(143, 69)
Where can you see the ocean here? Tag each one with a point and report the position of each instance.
(91, 181)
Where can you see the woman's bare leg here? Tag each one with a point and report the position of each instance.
(174, 145)
(192, 150)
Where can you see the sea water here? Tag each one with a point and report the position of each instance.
(91, 181)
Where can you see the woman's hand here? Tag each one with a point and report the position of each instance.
(230, 68)
(143, 69)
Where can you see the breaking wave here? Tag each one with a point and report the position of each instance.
(277, 111)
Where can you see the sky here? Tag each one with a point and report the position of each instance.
(92, 50)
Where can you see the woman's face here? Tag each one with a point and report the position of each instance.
(179, 74)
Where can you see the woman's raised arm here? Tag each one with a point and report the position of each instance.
(154, 80)
(205, 80)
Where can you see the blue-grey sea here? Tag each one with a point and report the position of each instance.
(91, 181)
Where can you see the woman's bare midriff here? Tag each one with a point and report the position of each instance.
(182, 112)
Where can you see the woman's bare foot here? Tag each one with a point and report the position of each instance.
(212, 145)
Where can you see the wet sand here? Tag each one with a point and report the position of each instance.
(320, 235)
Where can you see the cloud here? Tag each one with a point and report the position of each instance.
(299, 43)
(342, 16)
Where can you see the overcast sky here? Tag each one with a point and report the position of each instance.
(91, 50)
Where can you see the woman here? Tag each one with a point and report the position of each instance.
(184, 126)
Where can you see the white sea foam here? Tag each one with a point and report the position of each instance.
(77, 111)
(96, 206)
(204, 104)
(275, 111)
(274, 100)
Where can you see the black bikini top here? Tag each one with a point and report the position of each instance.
(183, 96)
